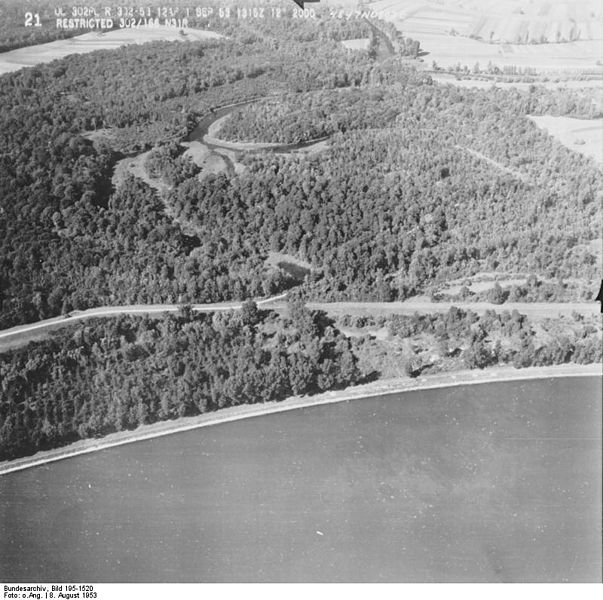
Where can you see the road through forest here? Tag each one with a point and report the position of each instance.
(16, 336)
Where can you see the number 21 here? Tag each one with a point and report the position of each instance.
(32, 19)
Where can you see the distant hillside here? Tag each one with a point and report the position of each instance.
(503, 21)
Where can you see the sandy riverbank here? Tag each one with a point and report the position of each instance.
(377, 388)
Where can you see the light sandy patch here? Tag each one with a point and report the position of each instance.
(314, 148)
(210, 162)
(360, 392)
(580, 135)
(382, 334)
(135, 166)
(215, 164)
(196, 151)
(99, 135)
(89, 42)
(357, 44)
(275, 258)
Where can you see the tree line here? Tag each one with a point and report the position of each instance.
(116, 374)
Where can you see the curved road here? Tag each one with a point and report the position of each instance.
(133, 309)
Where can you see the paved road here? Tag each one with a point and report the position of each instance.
(534, 310)
(134, 309)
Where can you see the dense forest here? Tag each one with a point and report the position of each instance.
(115, 374)
(65, 243)
(381, 213)
(296, 118)
(419, 183)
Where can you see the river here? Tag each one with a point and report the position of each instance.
(493, 482)
(203, 127)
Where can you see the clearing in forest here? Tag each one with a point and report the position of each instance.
(580, 135)
(357, 44)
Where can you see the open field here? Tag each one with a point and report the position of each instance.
(377, 388)
(448, 51)
(579, 135)
(470, 32)
(88, 42)
(357, 44)
(205, 158)
(134, 165)
(501, 21)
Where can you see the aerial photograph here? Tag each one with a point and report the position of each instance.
(300, 292)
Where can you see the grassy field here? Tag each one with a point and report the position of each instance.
(585, 137)
(505, 33)
(502, 21)
(109, 40)
(358, 44)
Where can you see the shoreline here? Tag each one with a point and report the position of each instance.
(384, 387)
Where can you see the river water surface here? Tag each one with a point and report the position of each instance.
(493, 482)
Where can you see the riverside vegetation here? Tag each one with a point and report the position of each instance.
(419, 183)
(115, 374)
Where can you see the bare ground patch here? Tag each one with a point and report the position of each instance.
(580, 135)
(356, 44)
(135, 166)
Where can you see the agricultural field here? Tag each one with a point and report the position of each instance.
(88, 42)
(546, 36)
(502, 21)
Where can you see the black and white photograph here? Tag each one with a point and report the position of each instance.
(299, 291)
